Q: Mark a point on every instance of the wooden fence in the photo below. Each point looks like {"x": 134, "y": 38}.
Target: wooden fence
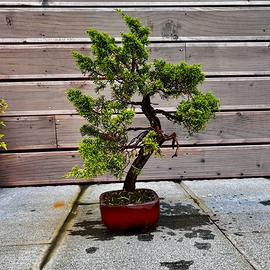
{"x": 230, "y": 38}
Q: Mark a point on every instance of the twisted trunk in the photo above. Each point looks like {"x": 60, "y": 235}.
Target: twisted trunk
{"x": 141, "y": 159}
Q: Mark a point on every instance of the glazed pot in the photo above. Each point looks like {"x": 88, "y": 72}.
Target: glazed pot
{"x": 130, "y": 216}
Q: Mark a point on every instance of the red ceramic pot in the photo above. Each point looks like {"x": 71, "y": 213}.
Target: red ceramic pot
{"x": 131, "y": 216}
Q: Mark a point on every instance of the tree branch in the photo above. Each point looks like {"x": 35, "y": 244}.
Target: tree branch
{"x": 135, "y": 103}
{"x": 138, "y": 139}
{"x": 150, "y": 113}
{"x": 175, "y": 142}
{"x": 139, "y": 128}
{"x": 169, "y": 115}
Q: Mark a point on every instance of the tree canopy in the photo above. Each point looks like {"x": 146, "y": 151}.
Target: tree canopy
{"x": 125, "y": 69}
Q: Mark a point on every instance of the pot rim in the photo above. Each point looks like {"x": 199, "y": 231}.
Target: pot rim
{"x": 102, "y": 201}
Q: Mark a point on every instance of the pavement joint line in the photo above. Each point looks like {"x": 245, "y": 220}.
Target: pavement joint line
{"x": 212, "y": 218}
{"x": 196, "y": 199}
{"x": 59, "y": 236}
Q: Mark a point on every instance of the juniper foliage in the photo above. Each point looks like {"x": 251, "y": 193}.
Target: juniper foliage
{"x": 3, "y": 106}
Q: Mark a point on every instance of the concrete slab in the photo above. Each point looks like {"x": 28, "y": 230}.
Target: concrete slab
{"x": 255, "y": 246}
{"x": 234, "y": 195}
{"x": 235, "y": 205}
{"x": 164, "y": 189}
{"x": 176, "y": 207}
{"x": 238, "y": 206}
{"x": 244, "y": 223}
{"x": 242, "y": 211}
{"x": 231, "y": 188}
{"x": 183, "y": 239}
{"x": 21, "y": 257}
{"x": 33, "y": 215}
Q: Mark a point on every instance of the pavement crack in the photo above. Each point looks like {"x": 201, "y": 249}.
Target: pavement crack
{"x": 52, "y": 249}
{"x": 212, "y": 217}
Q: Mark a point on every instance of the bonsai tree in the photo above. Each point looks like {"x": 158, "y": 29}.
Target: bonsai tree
{"x": 3, "y": 106}
{"x": 106, "y": 146}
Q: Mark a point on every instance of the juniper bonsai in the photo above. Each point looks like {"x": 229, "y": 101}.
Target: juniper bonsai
{"x": 127, "y": 71}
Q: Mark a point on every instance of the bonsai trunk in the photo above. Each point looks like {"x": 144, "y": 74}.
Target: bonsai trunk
{"x": 136, "y": 167}
{"x": 141, "y": 159}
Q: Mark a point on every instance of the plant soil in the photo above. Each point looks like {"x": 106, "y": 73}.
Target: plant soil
{"x": 116, "y": 198}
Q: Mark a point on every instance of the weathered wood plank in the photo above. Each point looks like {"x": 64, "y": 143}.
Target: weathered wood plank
{"x": 230, "y": 58}
{"x": 168, "y": 22}
{"x": 38, "y": 61}
{"x": 55, "y": 60}
{"x": 227, "y": 128}
{"x": 201, "y": 162}
{"x": 240, "y": 93}
{"x": 33, "y": 98}
{"x": 35, "y": 132}
{"x": 132, "y": 3}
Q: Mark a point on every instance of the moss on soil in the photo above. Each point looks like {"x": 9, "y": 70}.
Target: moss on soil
{"x": 124, "y": 197}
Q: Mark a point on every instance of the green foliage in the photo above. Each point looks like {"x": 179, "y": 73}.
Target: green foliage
{"x": 195, "y": 113}
{"x": 173, "y": 80}
{"x": 100, "y": 156}
{"x": 3, "y": 106}
{"x": 109, "y": 116}
{"x": 150, "y": 143}
{"x": 126, "y": 70}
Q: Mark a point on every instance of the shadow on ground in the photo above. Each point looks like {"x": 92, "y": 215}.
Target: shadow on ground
{"x": 174, "y": 218}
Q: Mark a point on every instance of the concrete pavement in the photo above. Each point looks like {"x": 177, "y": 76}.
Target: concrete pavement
{"x": 204, "y": 225}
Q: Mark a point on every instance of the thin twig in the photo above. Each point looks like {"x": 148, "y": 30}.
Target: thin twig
{"x": 135, "y": 103}
{"x": 138, "y": 139}
{"x": 139, "y": 128}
